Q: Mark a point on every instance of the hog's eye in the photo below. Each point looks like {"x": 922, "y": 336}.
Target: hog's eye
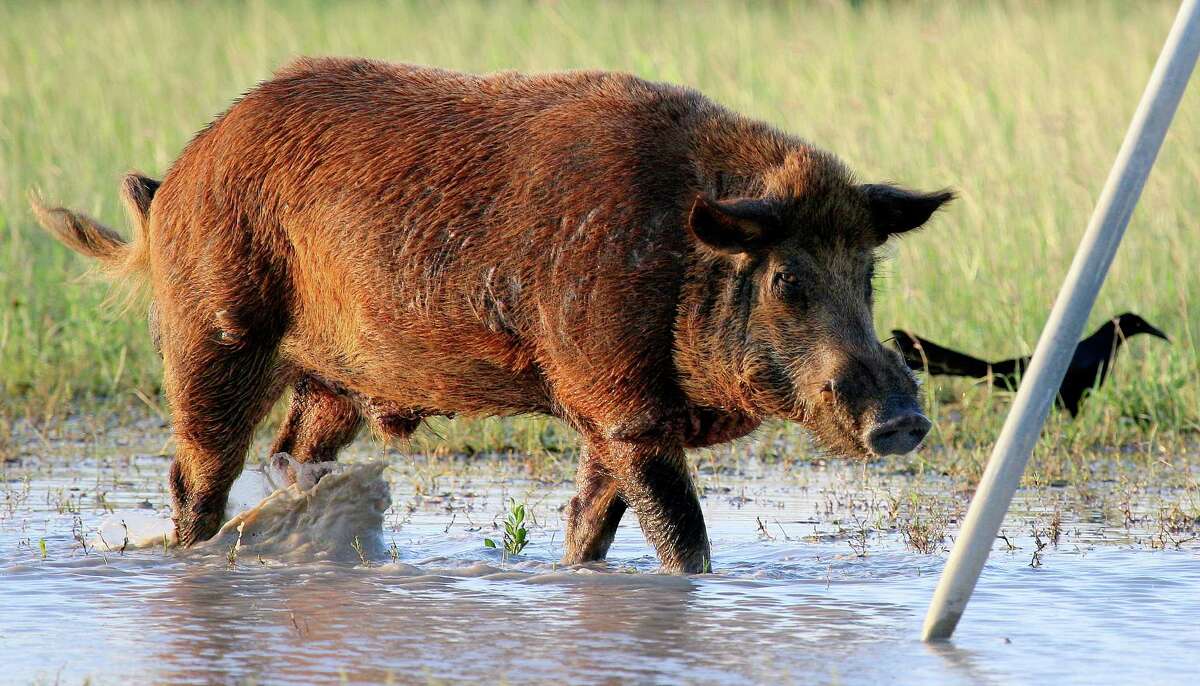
{"x": 787, "y": 286}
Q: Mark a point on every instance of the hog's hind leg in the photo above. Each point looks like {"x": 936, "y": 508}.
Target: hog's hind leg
{"x": 219, "y": 392}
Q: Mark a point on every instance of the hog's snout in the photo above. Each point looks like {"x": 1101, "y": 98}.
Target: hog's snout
{"x": 900, "y": 428}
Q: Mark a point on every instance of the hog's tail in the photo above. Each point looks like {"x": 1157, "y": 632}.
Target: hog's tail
{"x": 119, "y": 259}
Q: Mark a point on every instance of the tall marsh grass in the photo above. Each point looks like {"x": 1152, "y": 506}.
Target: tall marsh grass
{"x": 1019, "y": 106}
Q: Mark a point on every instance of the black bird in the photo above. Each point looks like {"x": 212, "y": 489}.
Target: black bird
{"x": 1089, "y": 366}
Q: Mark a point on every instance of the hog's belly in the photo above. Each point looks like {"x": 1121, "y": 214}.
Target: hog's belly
{"x": 435, "y": 374}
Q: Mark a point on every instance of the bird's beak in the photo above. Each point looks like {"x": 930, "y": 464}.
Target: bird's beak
{"x": 1156, "y": 333}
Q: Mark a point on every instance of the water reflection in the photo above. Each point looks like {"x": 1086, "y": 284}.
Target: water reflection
{"x": 962, "y": 662}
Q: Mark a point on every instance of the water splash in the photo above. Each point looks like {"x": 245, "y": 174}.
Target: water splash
{"x": 339, "y": 517}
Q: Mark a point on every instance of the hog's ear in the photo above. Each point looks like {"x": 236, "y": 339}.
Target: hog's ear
{"x": 895, "y": 210}
{"x": 735, "y": 226}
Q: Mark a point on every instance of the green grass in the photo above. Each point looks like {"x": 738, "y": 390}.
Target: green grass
{"x": 1021, "y": 107}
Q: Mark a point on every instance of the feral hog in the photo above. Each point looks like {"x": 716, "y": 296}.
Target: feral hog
{"x": 396, "y": 242}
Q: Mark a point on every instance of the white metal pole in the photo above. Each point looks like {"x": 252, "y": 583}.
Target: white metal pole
{"x": 1057, "y": 343}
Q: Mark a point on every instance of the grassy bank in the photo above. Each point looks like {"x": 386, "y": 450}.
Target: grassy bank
{"x": 1021, "y": 107}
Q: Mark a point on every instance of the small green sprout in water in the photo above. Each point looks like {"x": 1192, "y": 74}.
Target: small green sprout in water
{"x": 515, "y": 533}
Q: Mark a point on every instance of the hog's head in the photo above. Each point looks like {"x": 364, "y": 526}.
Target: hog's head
{"x": 776, "y": 317}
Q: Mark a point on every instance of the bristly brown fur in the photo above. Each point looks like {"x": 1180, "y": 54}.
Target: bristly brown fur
{"x": 400, "y": 242}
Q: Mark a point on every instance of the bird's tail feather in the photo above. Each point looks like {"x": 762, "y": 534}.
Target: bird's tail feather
{"x": 923, "y": 355}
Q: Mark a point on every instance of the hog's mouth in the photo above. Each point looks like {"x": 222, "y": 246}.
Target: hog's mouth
{"x": 888, "y": 421}
{"x": 895, "y": 426}
{"x": 835, "y": 431}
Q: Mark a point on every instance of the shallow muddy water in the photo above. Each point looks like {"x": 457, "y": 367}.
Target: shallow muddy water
{"x": 820, "y": 577}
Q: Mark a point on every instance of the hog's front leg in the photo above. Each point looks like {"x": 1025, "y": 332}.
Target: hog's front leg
{"x": 595, "y": 511}
{"x": 653, "y": 479}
